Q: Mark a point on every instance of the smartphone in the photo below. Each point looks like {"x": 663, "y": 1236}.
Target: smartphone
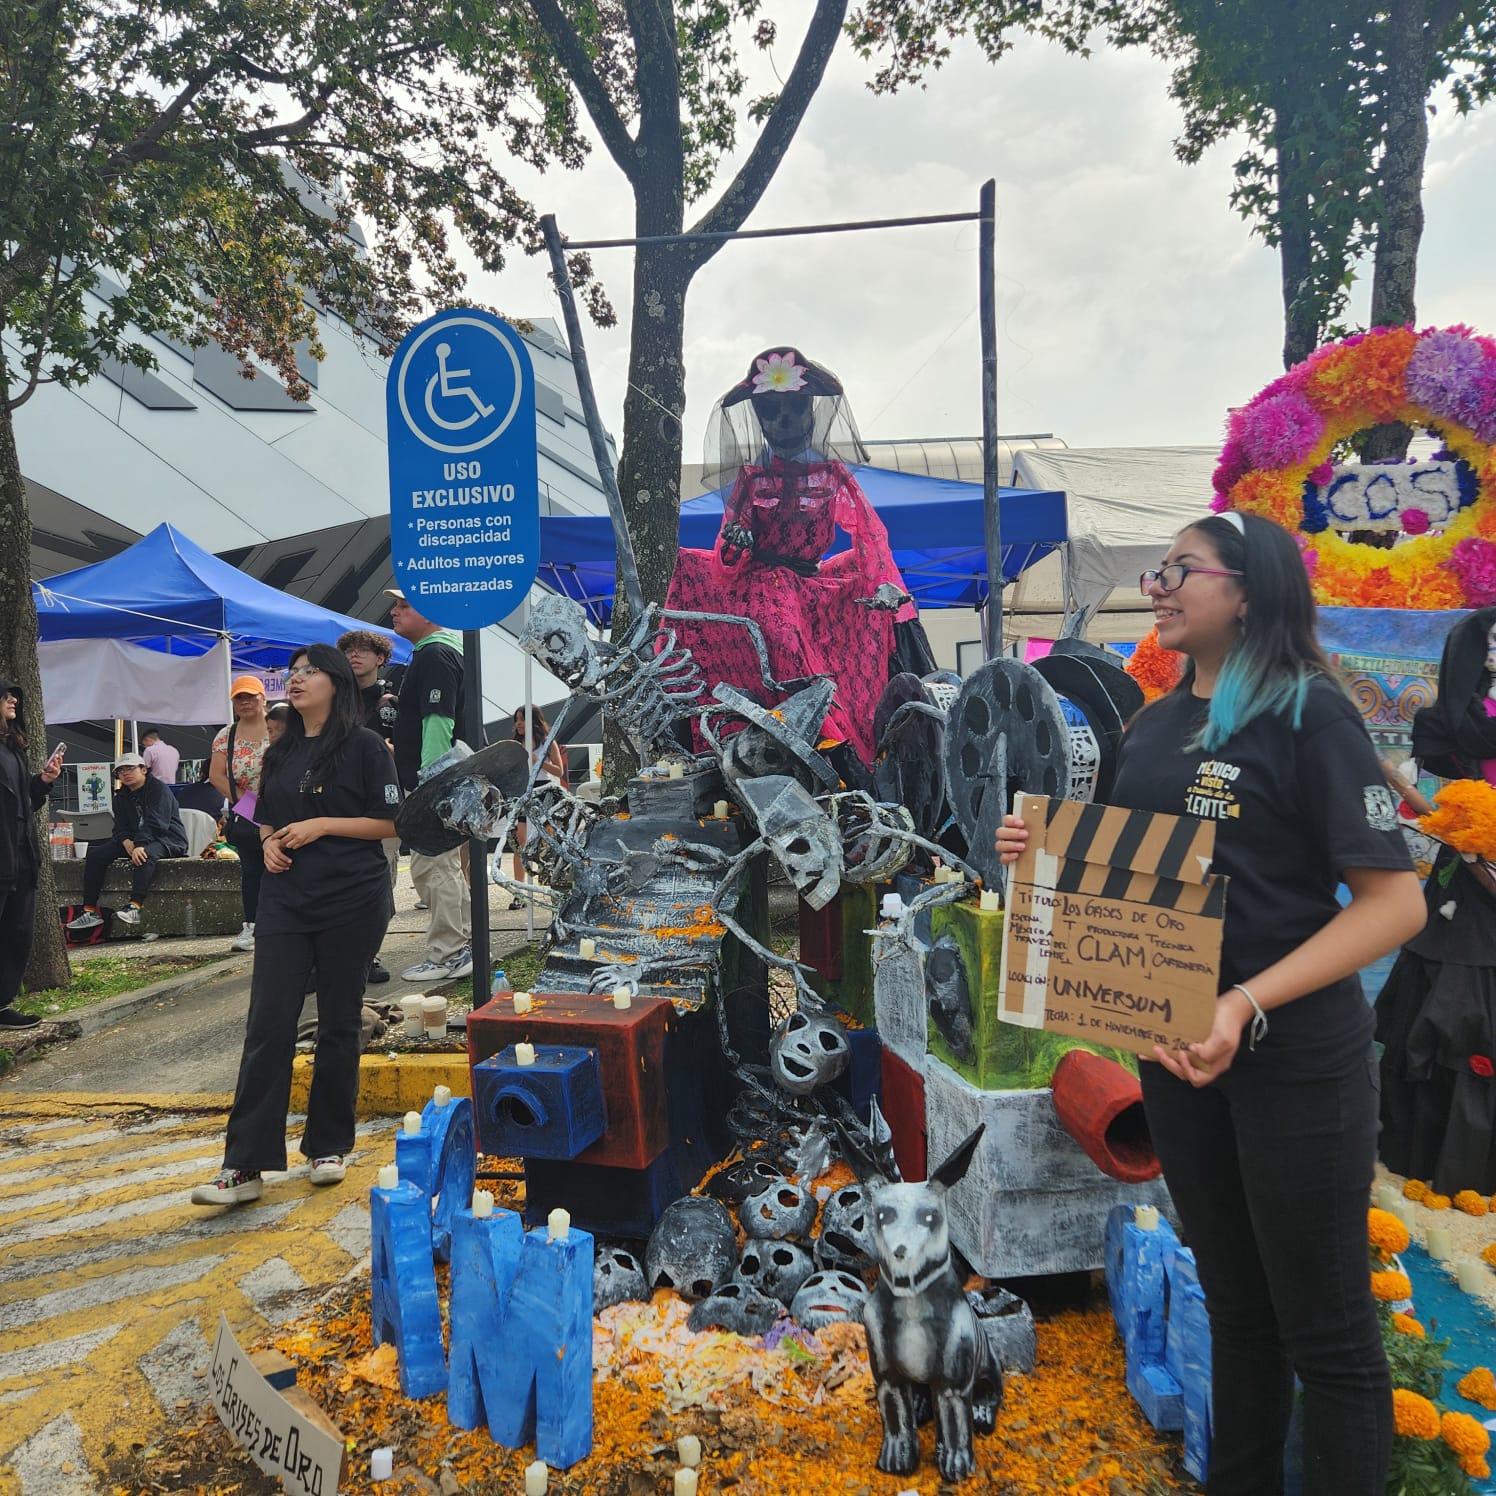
{"x": 57, "y": 753}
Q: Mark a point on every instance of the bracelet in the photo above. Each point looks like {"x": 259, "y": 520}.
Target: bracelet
{"x": 1258, "y": 1028}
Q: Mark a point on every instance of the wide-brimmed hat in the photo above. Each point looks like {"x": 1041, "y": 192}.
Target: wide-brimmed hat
{"x": 500, "y": 772}
{"x": 783, "y": 371}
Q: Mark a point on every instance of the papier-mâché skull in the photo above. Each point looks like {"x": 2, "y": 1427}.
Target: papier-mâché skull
{"x": 808, "y": 1050}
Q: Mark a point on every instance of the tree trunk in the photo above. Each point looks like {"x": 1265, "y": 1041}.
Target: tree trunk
{"x": 47, "y": 965}
{"x": 1301, "y": 328}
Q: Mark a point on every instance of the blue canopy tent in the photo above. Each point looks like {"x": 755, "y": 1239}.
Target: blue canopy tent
{"x": 934, "y": 529}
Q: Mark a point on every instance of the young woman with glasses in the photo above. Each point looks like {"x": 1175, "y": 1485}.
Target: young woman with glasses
{"x": 328, "y": 794}
{"x": 1267, "y": 1127}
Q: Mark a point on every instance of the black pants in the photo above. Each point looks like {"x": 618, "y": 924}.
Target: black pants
{"x": 17, "y": 925}
{"x": 1271, "y": 1179}
{"x": 96, "y": 867}
{"x": 244, "y": 837}
{"x": 262, "y": 1094}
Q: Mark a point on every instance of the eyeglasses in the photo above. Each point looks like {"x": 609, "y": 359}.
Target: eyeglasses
{"x": 299, "y": 672}
{"x": 1170, "y": 578}
{"x": 363, "y": 649}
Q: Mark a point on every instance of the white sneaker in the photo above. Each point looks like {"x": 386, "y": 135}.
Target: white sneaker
{"x": 228, "y": 1187}
{"x": 329, "y": 1170}
{"x": 461, "y": 965}
{"x": 245, "y": 939}
{"x": 426, "y": 971}
{"x": 129, "y": 915}
{"x": 88, "y": 920}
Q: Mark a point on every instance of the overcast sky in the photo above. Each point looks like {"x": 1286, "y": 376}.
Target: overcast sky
{"x": 1133, "y": 305}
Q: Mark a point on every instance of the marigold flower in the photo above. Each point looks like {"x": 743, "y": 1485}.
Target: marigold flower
{"x": 1464, "y": 1435}
{"x": 1471, "y": 1203}
{"x": 1488, "y": 1254}
{"x": 1414, "y": 1189}
{"x": 1413, "y": 1416}
{"x": 1478, "y": 1386}
{"x": 1386, "y": 1233}
{"x": 1476, "y": 1468}
{"x": 1436, "y": 1202}
{"x": 1405, "y": 1324}
{"x": 1154, "y": 668}
{"x": 1391, "y": 1287}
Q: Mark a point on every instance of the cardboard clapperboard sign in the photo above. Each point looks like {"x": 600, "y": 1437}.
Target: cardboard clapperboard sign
{"x": 1113, "y": 925}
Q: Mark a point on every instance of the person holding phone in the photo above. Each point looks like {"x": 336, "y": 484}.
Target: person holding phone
{"x": 234, "y": 771}
{"x": 22, "y": 794}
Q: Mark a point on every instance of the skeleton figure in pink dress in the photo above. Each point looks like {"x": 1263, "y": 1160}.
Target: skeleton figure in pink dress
{"x": 785, "y": 439}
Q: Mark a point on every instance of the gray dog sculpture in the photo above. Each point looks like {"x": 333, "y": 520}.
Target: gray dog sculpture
{"x": 923, "y": 1337}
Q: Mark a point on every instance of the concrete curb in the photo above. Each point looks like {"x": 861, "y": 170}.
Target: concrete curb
{"x": 391, "y": 1085}
{"x": 95, "y": 1016}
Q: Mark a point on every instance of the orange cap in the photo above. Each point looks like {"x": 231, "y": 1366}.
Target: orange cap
{"x": 247, "y": 685}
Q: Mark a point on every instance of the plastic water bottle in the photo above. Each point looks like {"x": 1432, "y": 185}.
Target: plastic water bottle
{"x": 500, "y": 982}
{"x": 189, "y": 919}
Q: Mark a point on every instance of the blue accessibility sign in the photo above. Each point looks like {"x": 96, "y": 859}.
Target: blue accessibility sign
{"x": 464, "y": 479}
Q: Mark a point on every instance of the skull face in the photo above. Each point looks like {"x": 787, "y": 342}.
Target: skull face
{"x": 738, "y": 1307}
{"x": 846, "y": 1238}
{"x": 802, "y": 837}
{"x": 775, "y": 1268}
{"x": 616, "y": 1277}
{"x": 788, "y": 421}
{"x": 692, "y": 1249}
{"x": 778, "y": 1210}
{"x": 808, "y": 1050}
{"x": 556, "y": 636}
{"x": 746, "y": 1177}
{"x": 829, "y": 1298}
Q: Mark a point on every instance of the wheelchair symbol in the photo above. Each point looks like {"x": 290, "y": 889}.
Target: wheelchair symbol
{"x": 448, "y": 413}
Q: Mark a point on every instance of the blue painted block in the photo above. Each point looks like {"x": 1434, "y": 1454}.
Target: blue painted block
{"x": 862, "y": 1080}
{"x": 544, "y": 1386}
{"x": 1187, "y": 1358}
{"x": 1142, "y": 1322}
{"x": 485, "y": 1258}
{"x": 551, "y": 1109}
{"x": 442, "y": 1161}
{"x": 413, "y": 1158}
{"x": 1158, "y": 1396}
{"x": 404, "y": 1307}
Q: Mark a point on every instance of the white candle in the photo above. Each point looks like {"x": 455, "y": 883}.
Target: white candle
{"x": 719, "y": 810}
{"x": 537, "y": 1477}
{"x": 1145, "y": 1217}
{"x": 677, "y": 771}
{"x": 892, "y": 906}
{"x": 1403, "y": 1210}
{"x": 442, "y": 1096}
{"x": 622, "y": 998}
{"x": 523, "y": 1002}
{"x": 685, "y": 1483}
{"x": 989, "y": 900}
{"x": 412, "y": 1124}
{"x": 1472, "y": 1276}
{"x": 1387, "y": 1197}
{"x": 1438, "y": 1243}
{"x": 381, "y": 1464}
{"x": 410, "y": 1010}
{"x": 389, "y": 1176}
{"x": 688, "y": 1447}
{"x": 524, "y": 1054}
{"x": 558, "y": 1224}
{"x": 482, "y": 1204}
{"x": 587, "y": 948}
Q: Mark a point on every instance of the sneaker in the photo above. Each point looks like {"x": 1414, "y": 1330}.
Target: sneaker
{"x": 90, "y": 919}
{"x": 329, "y": 1170}
{"x": 461, "y": 965}
{"x": 245, "y": 939}
{"x": 14, "y": 1018}
{"x": 378, "y": 971}
{"x": 129, "y": 915}
{"x": 426, "y": 971}
{"x": 228, "y": 1187}
{"x": 421, "y": 905}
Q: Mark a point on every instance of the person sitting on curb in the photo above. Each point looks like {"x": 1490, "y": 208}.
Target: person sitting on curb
{"x": 147, "y": 827}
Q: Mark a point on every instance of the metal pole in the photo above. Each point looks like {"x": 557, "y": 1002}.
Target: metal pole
{"x": 794, "y": 232}
{"x": 530, "y": 756}
{"x": 472, "y": 730}
{"x": 993, "y": 527}
{"x": 628, "y": 572}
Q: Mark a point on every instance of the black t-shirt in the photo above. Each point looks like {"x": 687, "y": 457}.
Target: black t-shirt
{"x": 336, "y": 878}
{"x": 432, "y": 688}
{"x": 1292, "y": 809}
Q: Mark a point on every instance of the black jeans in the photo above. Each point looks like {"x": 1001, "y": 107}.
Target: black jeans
{"x": 262, "y": 1094}
{"x": 17, "y": 925}
{"x": 96, "y": 868}
{"x": 244, "y": 837}
{"x": 1271, "y": 1179}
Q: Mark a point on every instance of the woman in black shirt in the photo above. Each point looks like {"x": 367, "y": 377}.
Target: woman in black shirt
{"x": 1267, "y": 1127}
{"x": 328, "y": 794}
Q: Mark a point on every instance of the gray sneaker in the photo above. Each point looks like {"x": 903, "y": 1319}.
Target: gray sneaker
{"x": 129, "y": 915}
{"x": 461, "y": 965}
{"x": 88, "y": 920}
{"x": 228, "y": 1187}
{"x": 329, "y": 1170}
{"x": 425, "y": 971}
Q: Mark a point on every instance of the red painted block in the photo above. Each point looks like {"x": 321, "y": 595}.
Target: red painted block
{"x": 821, "y": 938}
{"x": 903, "y": 1105}
{"x": 630, "y": 1045}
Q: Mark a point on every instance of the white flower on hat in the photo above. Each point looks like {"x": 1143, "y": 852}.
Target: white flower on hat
{"x": 778, "y": 374}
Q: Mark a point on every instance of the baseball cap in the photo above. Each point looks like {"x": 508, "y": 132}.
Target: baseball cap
{"x": 395, "y": 592}
{"x": 247, "y": 685}
{"x": 129, "y": 761}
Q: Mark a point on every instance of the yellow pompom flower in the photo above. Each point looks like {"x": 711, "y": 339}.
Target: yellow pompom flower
{"x": 1414, "y": 1189}
{"x": 1386, "y": 1233}
{"x": 1390, "y": 1287}
{"x": 1414, "y": 1417}
{"x": 1405, "y": 1324}
{"x": 1436, "y": 1202}
{"x": 1471, "y": 1203}
{"x": 1464, "y": 1435}
{"x": 1478, "y": 1386}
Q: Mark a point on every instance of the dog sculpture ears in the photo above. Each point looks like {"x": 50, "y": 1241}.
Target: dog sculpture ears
{"x": 953, "y": 1170}
{"x": 872, "y": 1161}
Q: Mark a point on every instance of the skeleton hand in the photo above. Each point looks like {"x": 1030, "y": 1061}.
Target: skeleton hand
{"x": 886, "y": 598}
{"x": 736, "y": 539}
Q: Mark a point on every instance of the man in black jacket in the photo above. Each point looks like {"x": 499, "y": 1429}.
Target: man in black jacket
{"x": 147, "y": 827}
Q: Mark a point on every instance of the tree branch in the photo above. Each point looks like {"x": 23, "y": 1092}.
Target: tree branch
{"x": 572, "y": 56}
{"x": 742, "y": 194}
{"x": 143, "y": 146}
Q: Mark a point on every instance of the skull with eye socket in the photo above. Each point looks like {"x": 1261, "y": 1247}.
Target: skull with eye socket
{"x": 808, "y": 1050}
{"x": 846, "y": 1238}
{"x": 692, "y": 1249}
{"x": 775, "y": 1268}
{"x": 787, "y": 419}
{"x": 778, "y": 1210}
{"x": 746, "y": 1177}
{"x": 556, "y": 636}
{"x": 829, "y": 1298}
{"x": 616, "y": 1277}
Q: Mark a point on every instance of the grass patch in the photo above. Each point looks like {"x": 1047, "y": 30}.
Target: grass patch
{"x": 108, "y": 976}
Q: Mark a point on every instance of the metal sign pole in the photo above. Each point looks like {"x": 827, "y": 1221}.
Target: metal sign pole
{"x": 472, "y": 731}
{"x": 987, "y": 312}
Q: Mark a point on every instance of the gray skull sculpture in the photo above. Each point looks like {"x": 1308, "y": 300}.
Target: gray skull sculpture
{"x": 808, "y": 1050}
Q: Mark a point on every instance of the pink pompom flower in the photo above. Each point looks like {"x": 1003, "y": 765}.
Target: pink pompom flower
{"x": 1414, "y": 522}
{"x": 1280, "y": 430}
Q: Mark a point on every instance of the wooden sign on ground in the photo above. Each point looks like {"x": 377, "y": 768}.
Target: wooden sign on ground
{"x": 1113, "y": 926}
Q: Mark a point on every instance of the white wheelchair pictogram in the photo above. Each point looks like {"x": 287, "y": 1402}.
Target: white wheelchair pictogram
{"x": 451, "y": 391}
{"x": 446, "y": 410}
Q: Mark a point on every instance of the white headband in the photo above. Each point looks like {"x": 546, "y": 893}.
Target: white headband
{"x": 1233, "y": 518}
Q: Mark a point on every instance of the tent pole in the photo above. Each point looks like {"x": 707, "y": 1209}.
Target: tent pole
{"x": 987, "y": 314}
{"x": 530, "y": 760}
{"x": 472, "y": 729}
